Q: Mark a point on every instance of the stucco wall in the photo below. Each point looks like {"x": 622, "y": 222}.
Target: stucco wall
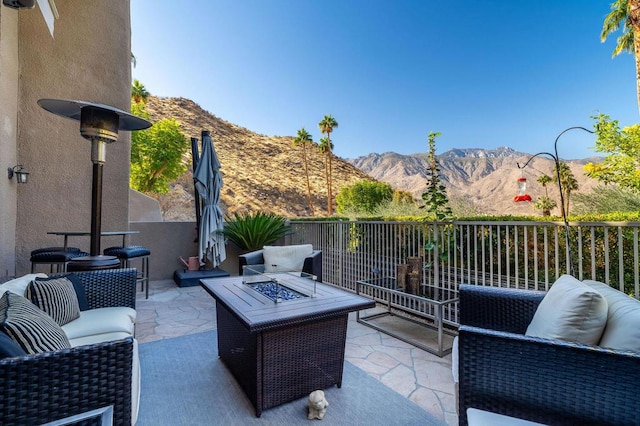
{"x": 169, "y": 240}
{"x": 89, "y": 59}
{"x": 8, "y": 131}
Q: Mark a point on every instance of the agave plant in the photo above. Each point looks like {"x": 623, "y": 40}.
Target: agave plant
{"x": 252, "y": 231}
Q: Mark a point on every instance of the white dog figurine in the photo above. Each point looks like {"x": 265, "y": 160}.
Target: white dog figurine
{"x": 317, "y": 405}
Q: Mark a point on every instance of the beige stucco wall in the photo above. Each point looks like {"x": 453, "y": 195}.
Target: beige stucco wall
{"x": 8, "y": 131}
{"x": 88, "y": 59}
{"x": 167, "y": 241}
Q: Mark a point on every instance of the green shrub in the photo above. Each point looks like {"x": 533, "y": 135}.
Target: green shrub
{"x": 252, "y": 231}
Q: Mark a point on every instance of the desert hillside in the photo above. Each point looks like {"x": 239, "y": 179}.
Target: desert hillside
{"x": 267, "y": 172}
{"x": 260, "y": 172}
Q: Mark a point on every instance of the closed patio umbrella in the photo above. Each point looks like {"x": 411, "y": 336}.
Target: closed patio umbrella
{"x": 208, "y": 182}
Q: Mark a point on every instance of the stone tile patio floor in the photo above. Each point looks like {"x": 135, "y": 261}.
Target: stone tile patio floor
{"x": 425, "y": 379}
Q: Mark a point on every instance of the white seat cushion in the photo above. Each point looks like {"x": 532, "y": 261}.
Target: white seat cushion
{"x": 622, "y": 331}
{"x": 19, "y": 285}
{"x": 101, "y": 321}
{"x": 570, "y": 311}
{"x": 477, "y": 417}
{"x": 285, "y": 258}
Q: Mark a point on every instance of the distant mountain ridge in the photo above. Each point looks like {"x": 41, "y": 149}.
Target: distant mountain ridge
{"x": 487, "y": 178}
{"x": 267, "y": 172}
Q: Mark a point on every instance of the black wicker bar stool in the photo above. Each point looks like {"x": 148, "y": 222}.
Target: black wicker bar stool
{"x": 126, "y": 255}
{"x": 55, "y": 256}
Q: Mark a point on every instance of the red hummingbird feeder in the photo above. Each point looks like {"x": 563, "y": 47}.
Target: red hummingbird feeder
{"x": 522, "y": 190}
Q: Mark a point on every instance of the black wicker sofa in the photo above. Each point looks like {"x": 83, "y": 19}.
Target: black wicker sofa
{"x": 49, "y": 386}
{"x": 502, "y": 370}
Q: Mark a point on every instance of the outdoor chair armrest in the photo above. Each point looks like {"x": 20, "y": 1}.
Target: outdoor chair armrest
{"x": 313, "y": 264}
{"x": 499, "y": 309}
{"x": 49, "y": 386}
{"x": 546, "y": 381}
{"x": 251, "y": 258}
{"x": 110, "y": 287}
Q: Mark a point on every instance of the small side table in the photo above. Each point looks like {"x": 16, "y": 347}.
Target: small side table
{"x": 424, "y": 311}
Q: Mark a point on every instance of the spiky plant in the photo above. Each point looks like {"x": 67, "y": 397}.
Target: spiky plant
{"x": 252, "y": 231}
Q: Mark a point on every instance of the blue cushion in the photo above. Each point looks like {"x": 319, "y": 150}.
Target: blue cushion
{"x": 83, "y": 301}
{"x": 9, "y": 348}
{"x": 127, "y": 252}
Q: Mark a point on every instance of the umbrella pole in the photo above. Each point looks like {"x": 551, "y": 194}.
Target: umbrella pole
{"x": 195, "y": 156}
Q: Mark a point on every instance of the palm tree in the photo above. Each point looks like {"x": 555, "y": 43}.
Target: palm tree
{"x": 625, "y": 14}
{"x": 324, "y": 147}
{"x": 303, "y": 138}
{"x": 545, "y": 203}
{"x": 139, "y": 92}
{"x": 569, "y": 184}
{"x": 327, "y": 124}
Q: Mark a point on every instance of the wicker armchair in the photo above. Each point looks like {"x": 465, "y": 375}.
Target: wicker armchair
{"x": 547, "y": 381}
{"x": 312, "y": 264}
{"x": 50, "y": 386}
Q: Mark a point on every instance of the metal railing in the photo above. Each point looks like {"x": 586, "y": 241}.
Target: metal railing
{"x": 529, "y": 255}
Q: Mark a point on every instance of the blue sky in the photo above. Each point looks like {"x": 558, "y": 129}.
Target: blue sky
{"x": 484, "y": 73}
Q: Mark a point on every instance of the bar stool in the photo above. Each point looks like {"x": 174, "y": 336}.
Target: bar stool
{"x": 126, "y": 255}
{"x": 57, "y": 256}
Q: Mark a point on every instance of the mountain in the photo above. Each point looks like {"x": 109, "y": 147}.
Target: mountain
{"x": 267, "y": 172}
{"x": 484, "y": 178}
{"x": 259, "y": 172}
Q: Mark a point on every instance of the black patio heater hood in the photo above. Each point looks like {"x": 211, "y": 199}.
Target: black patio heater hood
{"x": 100, "y": 124}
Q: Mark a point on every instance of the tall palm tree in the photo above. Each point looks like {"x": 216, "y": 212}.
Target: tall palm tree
{"x": 327, "y": 124}
{"x": 625, "y": 14}
{"x": 324, "y": 147}
{"x": 569, "y": 184}
{"x": 545, "y": 203}
{"x": 304, "y": 138}
{"x": 139, "y": 92}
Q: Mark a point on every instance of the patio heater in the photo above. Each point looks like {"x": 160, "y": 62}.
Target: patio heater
{"x": 556, "y": 160}
{"x": 100, "y": 124}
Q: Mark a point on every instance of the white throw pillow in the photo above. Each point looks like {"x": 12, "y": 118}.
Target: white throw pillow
{"x": 622, "y": 331}
{"x": 285, "y": 258}
{"x": 19, "y": 285}
{"x": 570, "y": 311}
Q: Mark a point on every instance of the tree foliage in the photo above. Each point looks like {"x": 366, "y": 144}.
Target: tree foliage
{"x": 435, "y": 197}
{"x": 363, "y": 196}
{"x": 156, "y": 154}
{"x": 625, "y": 15}
{"x": 303, "y": 138}
{"x": 139, "y": 93}
{"x": 326, "y": 125}
{"x": 607, "y": 199}
{"x": 622, "y": 165}
{"x": 568, "y": 182}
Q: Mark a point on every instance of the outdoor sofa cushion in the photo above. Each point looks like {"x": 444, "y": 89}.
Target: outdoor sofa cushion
{"x": 622, "y": 331}
{"x": 101, "y": 325}
{"x": 19, "y": 285}
{"x": 56, "y": 297}
{"x": 81, "y": 294}
{"x": 9, "y": 348}
{"x": 285, "y": 258}
{"x": 570, "y": 311}
{"x": 30, "y": 327}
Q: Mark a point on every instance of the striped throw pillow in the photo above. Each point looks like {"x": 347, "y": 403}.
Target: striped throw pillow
{"x": 28, "y": 326}
{"x": 56, "y": 297}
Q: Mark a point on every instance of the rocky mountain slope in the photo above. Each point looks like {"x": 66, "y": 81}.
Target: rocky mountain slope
{"x": 267, "y": 172}
{"x": 260, "y": 172}
{"x": 485, "y": 178}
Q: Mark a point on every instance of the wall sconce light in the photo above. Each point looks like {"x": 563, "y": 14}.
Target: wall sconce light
{"x": 22, "y": 175}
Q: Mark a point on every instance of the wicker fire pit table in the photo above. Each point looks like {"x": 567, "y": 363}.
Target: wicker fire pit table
{"x": 282, "y": 350}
